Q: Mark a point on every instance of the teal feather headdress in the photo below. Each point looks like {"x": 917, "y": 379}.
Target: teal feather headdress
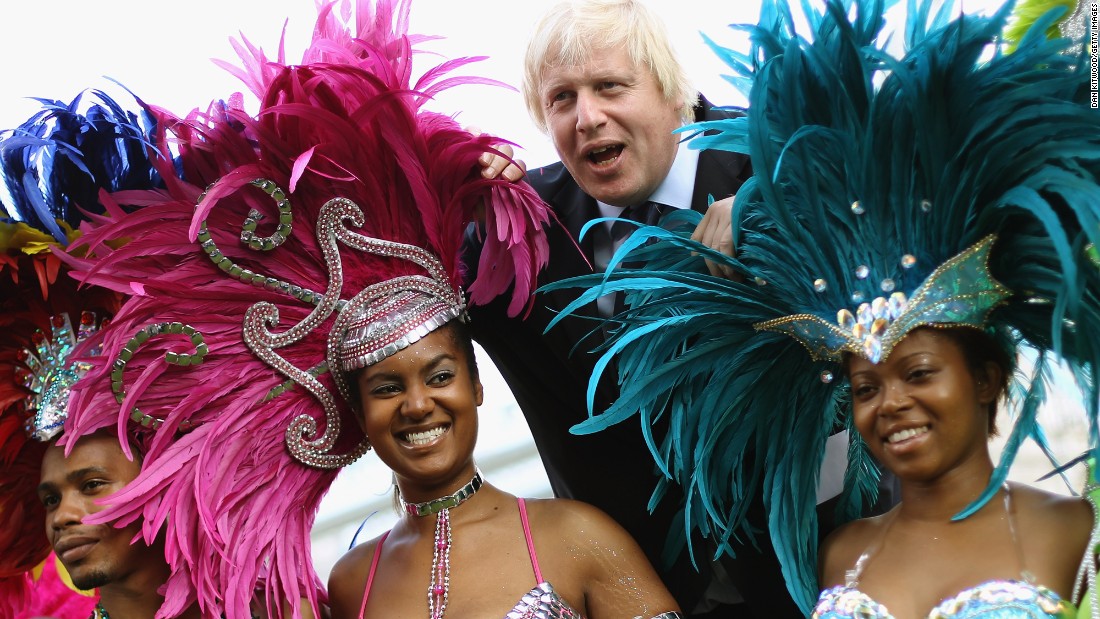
{"x": 959, "y": 175}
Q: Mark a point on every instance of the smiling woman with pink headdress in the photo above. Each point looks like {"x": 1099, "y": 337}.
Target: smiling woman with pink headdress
{"x": 287, "y": 294}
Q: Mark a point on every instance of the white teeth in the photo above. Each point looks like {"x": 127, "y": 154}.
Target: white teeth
{"x": 906, "y": 434}
{"x": 422, "y": 438}
{"x": 600, "y": 150}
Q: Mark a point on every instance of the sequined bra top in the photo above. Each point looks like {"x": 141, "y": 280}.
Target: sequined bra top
{"x": 995, "y": 599}
{"x": 541, "y": 602}
{"x": 990, "y": 600}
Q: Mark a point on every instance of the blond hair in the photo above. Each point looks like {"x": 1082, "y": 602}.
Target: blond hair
{"x": 571, "y": 31}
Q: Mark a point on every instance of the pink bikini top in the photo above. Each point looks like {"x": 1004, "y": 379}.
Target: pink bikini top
{"x": 541, "y": 602}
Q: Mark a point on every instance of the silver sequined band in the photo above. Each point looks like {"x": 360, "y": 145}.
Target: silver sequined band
{"x": 448, "y": 502}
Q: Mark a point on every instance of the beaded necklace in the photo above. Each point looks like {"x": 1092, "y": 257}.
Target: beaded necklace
{"x": 440, "y": 585}
{"x": 99, "y": 612}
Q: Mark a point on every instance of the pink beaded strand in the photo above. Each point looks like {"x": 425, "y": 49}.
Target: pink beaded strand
{"x": 440, "y": 584}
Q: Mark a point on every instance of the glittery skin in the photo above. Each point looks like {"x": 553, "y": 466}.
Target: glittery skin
{"x": 991, "y": 600}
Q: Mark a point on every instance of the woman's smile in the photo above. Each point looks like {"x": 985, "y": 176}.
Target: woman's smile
{"x": 424, "y": 437}
{"x": 904, "y": 441}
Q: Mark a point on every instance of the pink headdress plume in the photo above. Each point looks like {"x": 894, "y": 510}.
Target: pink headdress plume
{"x": 340, "y": 183}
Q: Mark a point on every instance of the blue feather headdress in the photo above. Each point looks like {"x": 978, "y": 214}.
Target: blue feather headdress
{"x": 962, "y": 177}
{"x": 58, "y": 160}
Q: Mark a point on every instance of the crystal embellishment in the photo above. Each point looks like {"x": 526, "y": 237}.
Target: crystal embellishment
{"x": 961, "y": 291}
{"x": 48, "y": 375}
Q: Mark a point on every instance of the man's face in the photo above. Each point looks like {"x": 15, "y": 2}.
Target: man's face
{"x": 611, "y": 125}
{"x": 94, "y": 555}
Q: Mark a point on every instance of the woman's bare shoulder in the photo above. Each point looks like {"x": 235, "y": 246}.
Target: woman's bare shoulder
{"x": 1052, "y": 505}
{"x": 349, "y": 575}
{"x": 592, "y": 555}
{"x": 1066, "y": 517}
{"x": 566, "y": 517}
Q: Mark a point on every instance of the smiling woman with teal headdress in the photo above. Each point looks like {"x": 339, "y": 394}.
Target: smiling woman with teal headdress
{"x": 914, "y": 224}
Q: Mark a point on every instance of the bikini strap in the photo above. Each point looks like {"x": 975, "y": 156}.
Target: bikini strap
{"x": 370, "y": 576}
{"x": 1085, "y": 591}
{"x": 852, "y": 576}
{"x": 1010, "y": 515}
{"x": 530, "y": 542}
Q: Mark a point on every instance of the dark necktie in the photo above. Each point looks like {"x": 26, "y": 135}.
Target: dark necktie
{"x": 646, "y": 213}
{"x": 606, "y": 242}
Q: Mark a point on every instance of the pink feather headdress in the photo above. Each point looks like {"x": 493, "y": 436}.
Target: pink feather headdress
{"x": 239, "y": 273}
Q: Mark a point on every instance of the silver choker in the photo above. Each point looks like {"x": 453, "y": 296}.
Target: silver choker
{"x": 450, "y": 501}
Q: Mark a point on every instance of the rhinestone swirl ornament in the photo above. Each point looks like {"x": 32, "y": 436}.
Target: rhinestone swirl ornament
{"x": 118, "y": 368}
{"x": 335, "y": 225}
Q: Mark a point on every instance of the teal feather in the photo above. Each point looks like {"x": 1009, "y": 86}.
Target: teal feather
{"x": 862, "y": 474}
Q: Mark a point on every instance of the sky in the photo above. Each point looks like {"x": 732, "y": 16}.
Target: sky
{"x": 162, "y": 51}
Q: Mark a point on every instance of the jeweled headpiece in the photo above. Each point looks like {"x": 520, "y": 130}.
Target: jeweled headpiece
{"x": 952, "y": 184}
{"x": 265, "y": 275}
{"x": 48, "y": 374}
{"x": 392, "y": 315}
{"x": 960, "y": 292}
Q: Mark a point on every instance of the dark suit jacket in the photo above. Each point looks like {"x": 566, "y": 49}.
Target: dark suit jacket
{"x": 549, "y": 373}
